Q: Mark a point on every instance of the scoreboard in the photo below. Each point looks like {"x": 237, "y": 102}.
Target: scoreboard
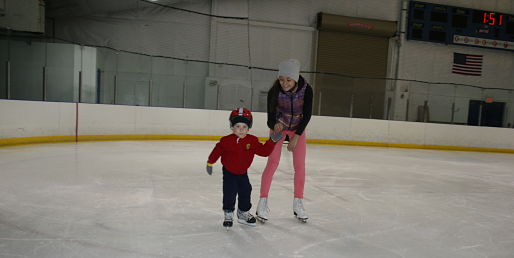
{"x": 458, "y": 25}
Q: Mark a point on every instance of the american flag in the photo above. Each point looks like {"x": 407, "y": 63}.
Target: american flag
{"x": 467, "y": 64}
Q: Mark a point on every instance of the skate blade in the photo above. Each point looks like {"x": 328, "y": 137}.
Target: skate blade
{"x": 262, "y": 220}
{"x": 304, "y": 220}
{"x": 246, "y": 223}
{"x": 227, "y": 225}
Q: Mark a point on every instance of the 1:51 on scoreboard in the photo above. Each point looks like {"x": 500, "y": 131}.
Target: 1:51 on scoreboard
{"x": 489, "y": 18}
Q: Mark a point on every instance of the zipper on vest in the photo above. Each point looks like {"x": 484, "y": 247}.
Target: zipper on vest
{"x": 292, "y": 113}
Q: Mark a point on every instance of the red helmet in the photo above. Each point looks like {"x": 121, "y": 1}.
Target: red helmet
{"x": 241, "y": 115}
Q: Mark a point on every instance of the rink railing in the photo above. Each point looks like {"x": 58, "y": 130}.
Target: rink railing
{"x": 28, "y": 122}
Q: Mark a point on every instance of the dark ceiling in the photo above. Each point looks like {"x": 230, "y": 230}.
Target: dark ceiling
{"x": 71, "y": 8}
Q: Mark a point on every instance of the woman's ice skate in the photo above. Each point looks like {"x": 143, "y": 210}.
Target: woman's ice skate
{"x": 262, "y": 210}
{"x": 298, "y": 210}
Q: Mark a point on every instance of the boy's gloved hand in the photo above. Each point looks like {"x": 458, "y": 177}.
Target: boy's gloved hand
{"x": 209, "y": 169}
{"x": 276, "y": 136}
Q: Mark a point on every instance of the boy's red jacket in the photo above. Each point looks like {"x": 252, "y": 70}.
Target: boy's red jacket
{"x": 237, "y": 154}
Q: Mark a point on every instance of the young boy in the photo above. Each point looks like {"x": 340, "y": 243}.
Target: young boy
{"x": 237, "y": 151}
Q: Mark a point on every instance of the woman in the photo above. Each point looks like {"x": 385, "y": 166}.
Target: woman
{"x": 289, "y": 112}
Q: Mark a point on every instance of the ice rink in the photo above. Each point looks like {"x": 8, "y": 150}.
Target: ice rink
{"x": 154, "y": 199}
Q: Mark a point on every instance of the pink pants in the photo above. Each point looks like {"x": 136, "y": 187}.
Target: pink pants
{"x": 298, "y": 164}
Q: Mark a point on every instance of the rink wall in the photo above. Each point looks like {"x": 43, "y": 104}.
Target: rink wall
{"x": 26, "y": 122}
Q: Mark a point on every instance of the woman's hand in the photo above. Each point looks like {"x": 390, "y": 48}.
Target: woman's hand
{"x": 278, "y": 128}
{"x": 293, "y": 142}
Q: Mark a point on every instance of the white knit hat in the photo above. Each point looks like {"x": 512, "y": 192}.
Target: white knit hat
{"x": 290, "y": 68}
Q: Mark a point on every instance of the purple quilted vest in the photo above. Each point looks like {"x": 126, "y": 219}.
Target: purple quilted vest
{"x": 290, "y": 107}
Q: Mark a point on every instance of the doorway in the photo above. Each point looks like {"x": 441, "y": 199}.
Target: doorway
{"x": 352, "y": 57}
{"x": 482, "y": 113}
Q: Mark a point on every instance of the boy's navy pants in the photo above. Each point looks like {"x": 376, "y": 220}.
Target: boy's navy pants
{"x": 236, "y": 185}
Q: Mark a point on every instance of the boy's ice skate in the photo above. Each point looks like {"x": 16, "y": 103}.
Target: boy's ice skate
{"x": 229, "y": 215}
{"x": 262, "y": 210}
{"x": 244, "y": 217}
{"x": 298, "y": 210}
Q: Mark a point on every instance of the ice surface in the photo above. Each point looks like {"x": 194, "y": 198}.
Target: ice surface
{"x": 154, "y": 199}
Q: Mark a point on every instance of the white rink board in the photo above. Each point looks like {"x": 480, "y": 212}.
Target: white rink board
{"x": 30, "y": 118}
{"x": 411, "y": 132}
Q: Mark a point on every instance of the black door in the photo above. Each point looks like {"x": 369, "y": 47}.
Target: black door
{"x": 492, "y": 114}
{"x": 486, "y": 114}
{"x": 475, "y": 106}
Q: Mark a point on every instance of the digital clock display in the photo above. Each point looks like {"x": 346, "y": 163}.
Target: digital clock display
{"x": 459, "y": 25}
{"x": 489, "y": 18}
